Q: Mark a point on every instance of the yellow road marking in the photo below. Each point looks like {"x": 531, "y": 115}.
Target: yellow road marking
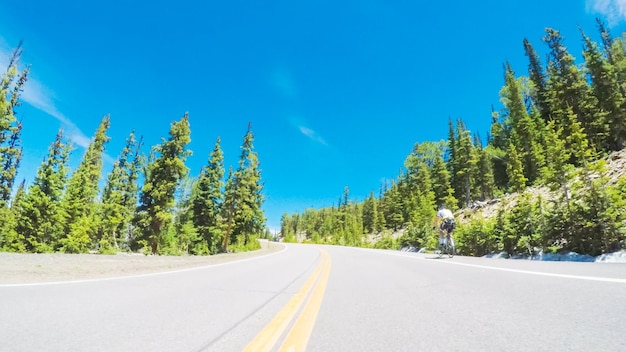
{"x": 298, "y": 337}
{"x": 267, "y": 338}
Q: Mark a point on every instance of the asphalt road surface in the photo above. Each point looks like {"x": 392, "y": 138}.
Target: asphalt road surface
{"x": 324, "y": 298}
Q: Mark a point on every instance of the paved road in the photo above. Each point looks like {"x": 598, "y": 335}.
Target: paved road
{"x": 324, "y": 298}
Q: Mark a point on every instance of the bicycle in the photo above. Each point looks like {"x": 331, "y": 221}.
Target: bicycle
{"x": 447, "y": 247}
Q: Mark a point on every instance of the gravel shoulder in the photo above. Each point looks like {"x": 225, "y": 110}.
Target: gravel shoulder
{"x": 21, "y": 268}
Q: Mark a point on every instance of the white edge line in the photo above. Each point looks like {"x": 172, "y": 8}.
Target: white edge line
{"x": 285, "y": 247}
{"x": 577, "y": 277}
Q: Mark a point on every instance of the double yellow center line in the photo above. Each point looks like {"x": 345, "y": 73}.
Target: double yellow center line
{"x": 298, "y": 337}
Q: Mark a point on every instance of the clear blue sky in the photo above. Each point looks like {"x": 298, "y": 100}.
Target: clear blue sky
{"x": 337, "y": 91}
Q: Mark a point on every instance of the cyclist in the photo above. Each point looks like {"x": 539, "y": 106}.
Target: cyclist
{"x": 445, "y": 221}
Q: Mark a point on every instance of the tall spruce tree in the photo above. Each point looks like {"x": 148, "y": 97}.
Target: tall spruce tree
{"x": 40, "y": 219}
{"x": 228, "y": 213}
{"x": 515, "y": 170}
{"x": 370, "y": 214}
{"x": 538, "y": 79}
{"x": 568, "y": 88}
{"x": 10, "y": 240}
{"x": 485, "y": 183}
{"x": 464, "y": 164}
{"x": 606, "y": 87}
{"x": 78, "y": 204}
{"x": 119, "y": 198}
{"x": 524, "y": 130}
{"x": 444, "y": 194}
{"x": 394, "y": 217}
{"x": 11, "y": 85}
{"x": 249, "y": 218}
{"x": 164, "y": 172}
{"x": 207, "y": 200}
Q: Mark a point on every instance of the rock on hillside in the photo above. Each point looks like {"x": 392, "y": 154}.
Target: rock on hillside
{"x": 616, "y": 168}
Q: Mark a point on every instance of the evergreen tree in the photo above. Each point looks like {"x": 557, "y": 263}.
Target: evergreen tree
{"x": 164, "y": 173}
{"x": 464, "y": 164}
{"x": 228, "y": 213}
{"x": 40, "y": 219}
{"x": 568, "y": 88}
{"x": 498, "y": 142}
{"x": 382, "y": 207}
{"x": 538, "y": 78}
{"x": 607, "y": 40}
{"x": 370, "y": 214}
{"x": 485, "y": 183}
{"x": 556, "y": 173}
{"x": 207, "y": 200}
{"x": 524, "y": 130}
{"x": 444, "y": 194}
{"x": 11, "y": 85}
{"x": 249, "y": 218}
{"x": 605, "y": 85}
{"x": 78, "y": 203}
{"x": 10, "y": 240}
{"x": 393, "y": 206}
{"x": 119, "y": 198}
{"x": 515, "y": 170}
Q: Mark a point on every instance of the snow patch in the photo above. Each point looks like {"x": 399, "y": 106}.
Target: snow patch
{"x": 617, "y": 257}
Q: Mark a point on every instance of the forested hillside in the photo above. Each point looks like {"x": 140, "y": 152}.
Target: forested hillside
{"x": 559, "y": 122}
{"x": 148, "y": 203}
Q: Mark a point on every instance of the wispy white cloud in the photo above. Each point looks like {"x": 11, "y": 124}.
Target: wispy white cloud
{"x": 312, "y": 135}
{"x": 40, "y": 97}
{"x": 613, "y": 10}
{"x": 283, "y": 82}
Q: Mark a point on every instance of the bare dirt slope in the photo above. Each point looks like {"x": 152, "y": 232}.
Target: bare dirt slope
{"x": 616, "y": 168}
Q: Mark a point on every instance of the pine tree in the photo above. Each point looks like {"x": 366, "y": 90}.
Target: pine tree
{"x": 382, "y": 207}
{"x": 556, "y": 173}
{"x": 249, "y": 218}
{"x": 484, "y": 172}
{"x": 370, "y": 215}
{"x": 607, "y": 40}
{"x": 10, "y": 240}
{"x": 498, "y": 141}
{"x": 538, "y": 78}
{"x": 119, "y": 198}
{"x": 207, "y": 200}
{"x": 465, "y": 163}
{"x": 605, "y": 85}
{"x": 228, "y": 213}
{"x": 568, "y": 88}
{"x": 515, "y": 170}
{"x": 393, "y": 206}
{"x": 164, "y": 173}
{"x": 78, "y": 203}
{"x": 40, "y": 219}
{"x": 10, "y": 127}
{"x": 524, "y": 130}
{"x": 444, "y": 194}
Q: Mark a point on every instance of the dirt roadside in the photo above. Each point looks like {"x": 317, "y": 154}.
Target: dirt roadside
{"x": 16, "y": 268}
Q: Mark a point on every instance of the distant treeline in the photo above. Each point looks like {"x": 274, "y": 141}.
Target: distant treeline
{"x": 557, "y": 125}
{"x": 149, "y": 203}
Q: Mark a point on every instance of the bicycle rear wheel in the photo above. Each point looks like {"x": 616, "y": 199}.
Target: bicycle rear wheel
{"x": 450, "y": 247}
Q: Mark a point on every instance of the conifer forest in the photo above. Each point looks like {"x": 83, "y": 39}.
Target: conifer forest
{"x": 542, "y": 168}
